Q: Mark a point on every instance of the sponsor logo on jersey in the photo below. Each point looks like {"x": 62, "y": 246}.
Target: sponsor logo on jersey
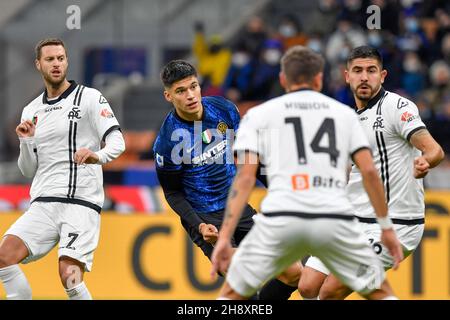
{"x": 402, "y": 104}
{"x": 102, "y": 100}
{"x": 300, "y": 182}
{"x": 363, "y": 118}
{"x": 74, "y": 113}
{"x": 222, "y": 127}
{"x": 50, "y": 109}
{"x": 210, "y": 155}
{"x": 378, "y": 124}
{"x": 159, "y": 160}
{"x": 408, "y": 117}
{"x": 106, "y": 113}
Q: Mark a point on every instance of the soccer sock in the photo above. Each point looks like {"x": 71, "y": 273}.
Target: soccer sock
{"x": 15, "y": 283}
{"x": 276, "y": 290}
{"x": 79, "y": 292}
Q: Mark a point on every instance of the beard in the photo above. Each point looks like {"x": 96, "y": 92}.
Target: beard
{"x": 365, "y": 96}
{"x": 55, "y": 83}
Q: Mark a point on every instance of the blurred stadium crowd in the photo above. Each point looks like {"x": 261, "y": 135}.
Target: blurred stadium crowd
{"x": 243, "y": 66}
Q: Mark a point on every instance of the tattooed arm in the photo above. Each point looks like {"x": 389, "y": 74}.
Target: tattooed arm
{"x": 432, "y": 153}
{"x": 237, "y": 199}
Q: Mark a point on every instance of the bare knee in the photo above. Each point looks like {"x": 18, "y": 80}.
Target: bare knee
{"x": 71, "y": 272}
{"x": 291, "y": 275}
{"x": 333, "y": 289}
{"x": 228, "y": 293}
{"x": 310, "y": 283}
{"x": 12, "y": 251}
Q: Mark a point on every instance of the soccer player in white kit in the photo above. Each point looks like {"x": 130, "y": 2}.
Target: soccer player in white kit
{"x": 305, "y": 139}
{"x": 61, "y": 135}
{"x": 403, "y": 152}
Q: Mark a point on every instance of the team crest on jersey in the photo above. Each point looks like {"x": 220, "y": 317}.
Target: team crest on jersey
{"x": 74, "y": 113}
{"x": 222, "y": 127}
{"x": 35, "y": 120}
{"x": 107, "y": 114}
{"x": 408, "y": 117}
{"x": 378, "y": 124}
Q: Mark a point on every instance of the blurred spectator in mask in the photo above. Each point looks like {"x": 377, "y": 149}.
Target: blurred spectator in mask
{"x": 213, "y": 60}
{"x": 289, "y": 32}
{"x": 412, "y": 37}
{"x": 237, "y": 82}
{"x": 413, "y": 78}
{"x": 445, "y": 48}
{"x": 253, "y": 36}
{"x": 315, "y": 43}
{"x": 344, "y": 39}
{"x": 264, "y": 83}
{"x": 355, "y": 12}
{"x": 323, "y": 19}
{"x": 439, "y": 92}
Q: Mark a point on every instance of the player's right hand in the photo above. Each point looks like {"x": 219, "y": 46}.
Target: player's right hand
{"x": 25, "y": 129}
{"x": 389, "y": 239}
{"x": 209, "y": 233}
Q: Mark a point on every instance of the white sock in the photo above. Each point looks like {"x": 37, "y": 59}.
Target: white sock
{"x": 15, "y": 283}
{"x": 79, "y": 292}
{"x": 390, "y": 298}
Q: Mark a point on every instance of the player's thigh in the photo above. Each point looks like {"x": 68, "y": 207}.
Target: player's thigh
{"x": 351, "y": 259}
{"x": 272, "y": 245}
{"x": 79, "y": 233}
{"x": 311, "y": 280}
{"x": 37, "y": 229}
{"x": 408, "y": 235}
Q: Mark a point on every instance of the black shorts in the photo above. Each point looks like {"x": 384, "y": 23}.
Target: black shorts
{"x": 216, "y": 218}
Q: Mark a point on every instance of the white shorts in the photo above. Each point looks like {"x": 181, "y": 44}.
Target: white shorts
{"x": 408, "y": 235}
{"x": 75, "y": 227}
{"x": 274, "y": 243}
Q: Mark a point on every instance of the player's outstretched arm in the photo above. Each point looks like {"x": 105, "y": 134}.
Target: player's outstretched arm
{"x": 374, "y": 188}
{"x": 432, "y": 153}
{"x": 240, "y": 191}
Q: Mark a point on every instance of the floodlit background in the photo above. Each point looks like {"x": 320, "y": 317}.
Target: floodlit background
{"x": 119, "y": 47}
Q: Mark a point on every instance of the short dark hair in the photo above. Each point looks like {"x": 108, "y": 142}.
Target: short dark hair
{"x": 48, "y": 42}
{"x": 176, "y": 70}
{"x": 301, "y": 64}
{"x": 365, "y": 52}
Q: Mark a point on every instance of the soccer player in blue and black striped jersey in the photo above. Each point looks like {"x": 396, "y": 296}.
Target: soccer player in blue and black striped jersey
{"x": 196, "y": 167}
{"x": 194, "y": 162}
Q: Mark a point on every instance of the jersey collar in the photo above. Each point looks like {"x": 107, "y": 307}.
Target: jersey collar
{"x": 64, "y": 95}
{"x": 187, "y": 121}
{"x": 373, "y": 101}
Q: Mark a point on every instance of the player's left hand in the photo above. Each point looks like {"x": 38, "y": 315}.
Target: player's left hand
{"x": 85, "y": 156}
{"x": 421, "y": 167}
{"x": 221, "y": 256}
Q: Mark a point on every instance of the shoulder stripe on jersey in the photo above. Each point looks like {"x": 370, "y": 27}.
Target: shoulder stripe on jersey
{"x": 380, "y": 103}
{"x": 76, "y": 94}
{"x": 384, "y": 163}
{"x": 79, "y": 97}
{"x": 73, "y": 166}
